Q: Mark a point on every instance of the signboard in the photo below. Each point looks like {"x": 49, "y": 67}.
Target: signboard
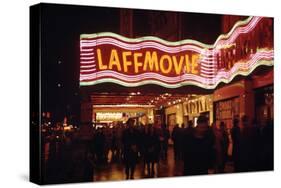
{"x": 197, "y": 106}
{"x": 109, "y": 116}
{"x": 109, "y": 57}
{"x": 226, "y": 110}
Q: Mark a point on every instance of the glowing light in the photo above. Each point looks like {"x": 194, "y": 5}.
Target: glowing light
{"x": 109, "y": 116}
{"x": 90, "y": 70}
{"x": 211, "y": 85}
{"x": 87, "y": 50}
{"x": 124, "y": 105}
{"x": 87, "y": 62}
{"x": 67, "y": 128}
{"x": 222, "y": 73}
{"x": 86, "y": 54}
{"x": 152, "y": 38}
{"x": 88, "y": 66}
{"x": 209, "y": 77}
{"x": 87, "y": 58}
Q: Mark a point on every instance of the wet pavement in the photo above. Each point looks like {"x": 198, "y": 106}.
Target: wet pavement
{"x": 114, "y": 171}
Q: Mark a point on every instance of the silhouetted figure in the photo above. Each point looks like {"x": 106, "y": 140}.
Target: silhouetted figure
{"x": 119, "y": 144}
{"x": 235, "y": 136}
{"x": 151, "y": 149}
{"x": 130, "y": 142}
{"x": 267, "y": 137}
{"x": 88, "y": 164}
{"x": 182, "y": 131}
{"x": 99, "y": 144}
{"x": 114, "y": 148}
{"x": 164, "y": 140}
{"x": 108, "y": 143}
{"x": 189, "y": 128}
{"x": 199, "y": 155}
{"x": 176, "y": 140}
{"x": 255, "y": 145}
{"x": 246, "y": 141}
{"x": 245, "y": 147}
{"x": 221, "y": 146}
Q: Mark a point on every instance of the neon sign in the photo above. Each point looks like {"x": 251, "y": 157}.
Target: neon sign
{"x": 108, "y": 57}
{"x": 149, "y": 61}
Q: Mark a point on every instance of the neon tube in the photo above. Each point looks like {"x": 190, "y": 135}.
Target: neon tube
{"x": 169, "y": 85}
{"x": 251, "y": 21}
{"x": 186, "y": 41}
{"x": 87, "y": 58}
{"x": 209, "y": 76}
{"x": 88, "y": 66}
{"x": 139, "y": 77}
{"x": 87, "y": 62}
{"x": 86, "y": 49}
{"x": 87, "y": 54}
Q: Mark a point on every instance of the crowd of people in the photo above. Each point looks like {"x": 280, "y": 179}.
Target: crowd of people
{"x": 201, "y": 148}
{"x": 131, "y": 144}
{"x": 252, "y": 145}
{"x": 205, "y": 149}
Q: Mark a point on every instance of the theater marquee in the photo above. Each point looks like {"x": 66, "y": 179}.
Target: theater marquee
{"x": 108, "y": 57}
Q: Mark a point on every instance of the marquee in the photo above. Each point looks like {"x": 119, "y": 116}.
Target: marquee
{"x": 109, "y": 57}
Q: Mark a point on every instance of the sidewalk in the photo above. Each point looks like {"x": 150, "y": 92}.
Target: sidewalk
{"x": 168, "y": 168}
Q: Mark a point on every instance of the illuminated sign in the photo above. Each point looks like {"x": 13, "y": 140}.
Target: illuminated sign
{"x": 109, "y": 116}
{"x": 199, "y": 105}
{"x": 108, "y": 57}
{"x": 147, "y": 61}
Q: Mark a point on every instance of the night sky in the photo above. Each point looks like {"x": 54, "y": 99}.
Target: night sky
{"x": 61, "y": 29}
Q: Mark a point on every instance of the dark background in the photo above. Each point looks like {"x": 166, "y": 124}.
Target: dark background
{"x": 61, "y": 29}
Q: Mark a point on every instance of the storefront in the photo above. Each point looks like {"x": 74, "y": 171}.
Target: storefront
{"x": 234, "y": 100}
{"x": 264, "y": 97}
{"x": 264, "y": 105}
{"x": 252, "y": 97}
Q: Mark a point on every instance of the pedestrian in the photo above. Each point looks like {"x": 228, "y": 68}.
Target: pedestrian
{"x": 88, "y": 164}
{"x": 164, "y": 141}
{"x": 99, "y": 145}
{"x": 266, "y": 154}
{"x": 256, "y": 145}
{"x": 152, "y": 148}
{"x": 248, "y": 138}
{"x": 220, "y": 145}
{"x": 199, "y": 153}
{"x": 176, "y": 141}
{"x": 235, "y": 136}
{"x": 181, "y": 135}
{"x": 189, "y": 128}
{"x": 114, "y": 144}
{"x": 108, "y": 143}
{"x": 130, "y": 142}
{"x": 119, "y": 144}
